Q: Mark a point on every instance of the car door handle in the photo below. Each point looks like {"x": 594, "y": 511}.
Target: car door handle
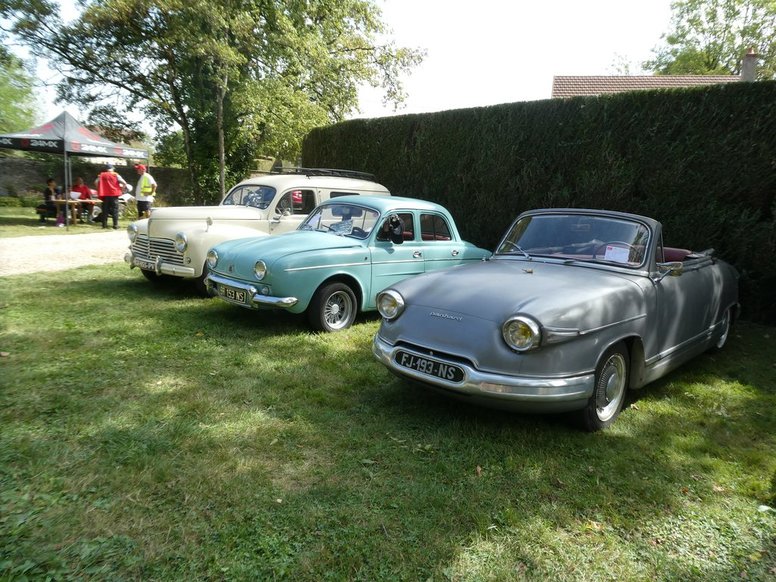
{"x": 454, "y": 253}
{"x": 417, "y": 255}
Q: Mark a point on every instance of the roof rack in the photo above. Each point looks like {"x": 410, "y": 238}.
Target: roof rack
{"x": 325, "y": 172}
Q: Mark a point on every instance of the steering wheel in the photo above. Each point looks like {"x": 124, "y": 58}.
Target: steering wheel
{"x": 615, "y": 243}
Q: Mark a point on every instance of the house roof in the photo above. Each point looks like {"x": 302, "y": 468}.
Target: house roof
{"x": 575, "y": 86}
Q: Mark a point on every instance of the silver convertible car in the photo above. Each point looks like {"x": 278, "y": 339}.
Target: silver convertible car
{"x": 574, "y": 308}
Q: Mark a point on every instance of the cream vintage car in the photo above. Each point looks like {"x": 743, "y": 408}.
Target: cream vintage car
{"x": 173, "y": 242}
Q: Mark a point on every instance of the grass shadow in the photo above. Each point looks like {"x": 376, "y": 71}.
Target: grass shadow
{"x": 206, "y": 439}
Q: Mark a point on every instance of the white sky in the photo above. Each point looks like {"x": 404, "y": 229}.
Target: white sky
{"x": 483, "y": 52}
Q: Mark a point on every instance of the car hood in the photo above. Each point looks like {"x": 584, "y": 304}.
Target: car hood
{"x": 205, "y": 212}
{"x": 564, "y": 296}
{"x": 242, "y": 254}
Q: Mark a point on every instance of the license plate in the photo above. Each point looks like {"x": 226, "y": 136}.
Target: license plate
{"x": 232, "y": 294}
{"x": 430, "y": 367}
{"x": 146, "y": 265}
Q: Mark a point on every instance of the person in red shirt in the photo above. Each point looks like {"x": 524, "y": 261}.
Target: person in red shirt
{"x": 109, "y": 187}
{"x": 84, "y": 193}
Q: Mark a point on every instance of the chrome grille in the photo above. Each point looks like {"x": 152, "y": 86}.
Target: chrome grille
{"x": 149, "y": 249}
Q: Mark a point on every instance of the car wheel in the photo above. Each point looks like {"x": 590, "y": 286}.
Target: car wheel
{"x": 151, "y": 276}
{"x": 727, "y": 324}
{"x": 199, "y": 282}
{"x": 333, "y": 308}
{"x": 611, "y": 386}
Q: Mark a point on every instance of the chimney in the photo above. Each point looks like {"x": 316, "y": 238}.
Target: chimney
{"x": 749, "y": 66}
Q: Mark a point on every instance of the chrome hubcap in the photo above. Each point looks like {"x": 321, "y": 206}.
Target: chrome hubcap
{"x": 337, "y": 310}
{"x": 725, "y": 331}
{"x": 610, "y": 389}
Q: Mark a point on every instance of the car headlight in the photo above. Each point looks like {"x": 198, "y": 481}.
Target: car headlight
{"x": 132, "y": 232}
{"x": 212, "y": 258}
{"x": 390, "y": 304}
{"x": 181, "y": 242}
{"x": 521, "y": 333}
{"x": 260, "y": 270}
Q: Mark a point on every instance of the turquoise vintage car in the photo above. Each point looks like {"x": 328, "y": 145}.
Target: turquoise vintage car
{"x": 333, "y": 266}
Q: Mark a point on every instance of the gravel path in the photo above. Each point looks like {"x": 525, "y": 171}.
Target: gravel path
{"x": 57, "y": 252}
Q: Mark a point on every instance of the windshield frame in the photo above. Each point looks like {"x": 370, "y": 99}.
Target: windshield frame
{"x": 578, "y": 241}
{"x": 261, "y": 196}
{"x": 356, "y": 227}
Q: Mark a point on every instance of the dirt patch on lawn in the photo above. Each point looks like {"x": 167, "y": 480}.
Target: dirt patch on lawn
{"x": 31, "y": 254}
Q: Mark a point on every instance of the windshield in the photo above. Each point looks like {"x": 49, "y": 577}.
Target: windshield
{"x": 342, "y": 219}
{"x": 578, "y": 237}
{"x": 250, "y": 195}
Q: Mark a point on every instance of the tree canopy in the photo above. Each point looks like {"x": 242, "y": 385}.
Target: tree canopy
{"x": 710, "y": 37}
{"x": 236, "y": 78}
{"x": 17, "y": 97}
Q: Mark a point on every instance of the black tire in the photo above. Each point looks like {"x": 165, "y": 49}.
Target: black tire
{"x": 611, "y": 387}
{"x": 199, "y": 282}
{"x": 333, "y": 308}
{"x": 156, "y": 279}
{"x": 151, "y": 276}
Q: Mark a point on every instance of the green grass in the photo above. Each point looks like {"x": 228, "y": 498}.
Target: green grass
{"x": 149, "y": 434}
{"x": 19, "y": 221}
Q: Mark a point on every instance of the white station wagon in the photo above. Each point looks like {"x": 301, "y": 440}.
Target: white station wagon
{"x": 174, "y": 241}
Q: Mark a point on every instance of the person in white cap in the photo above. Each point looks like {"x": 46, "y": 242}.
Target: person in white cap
{"x": 144, "y": 191}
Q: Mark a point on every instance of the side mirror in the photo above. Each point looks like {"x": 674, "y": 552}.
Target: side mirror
{"x": 674, "y": 269}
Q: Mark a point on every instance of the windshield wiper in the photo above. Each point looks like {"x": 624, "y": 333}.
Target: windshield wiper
{"x": 518, "y": 248}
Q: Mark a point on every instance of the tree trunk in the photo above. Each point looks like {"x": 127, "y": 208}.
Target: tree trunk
{"x": 221, "y": 148}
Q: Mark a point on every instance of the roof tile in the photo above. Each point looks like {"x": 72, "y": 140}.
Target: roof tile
{"x": 575, "y": 86}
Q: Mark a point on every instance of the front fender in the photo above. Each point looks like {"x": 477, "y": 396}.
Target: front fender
{"x": 142, "y": 226}
{"x": 303, "y": 281}
{"x": 200, "y": 241}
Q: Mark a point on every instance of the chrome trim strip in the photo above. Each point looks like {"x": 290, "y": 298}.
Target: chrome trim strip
{"x": 325, "y": 267}
{"x": 412, "y": 261}
{"x": 696, "y": 339}
{"x": 608, "y": 325}
{"x": 556, "y": 335}
{"x": 497, "y": 386}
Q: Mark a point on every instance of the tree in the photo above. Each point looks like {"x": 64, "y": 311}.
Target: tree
{"x": 109, "y": 123}
{"x": 17, "y": 100}
{"x": 237, "y": 78}
{"x": 711, "y": 37}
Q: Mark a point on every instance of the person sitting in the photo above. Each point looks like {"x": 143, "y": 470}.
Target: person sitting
{"x": 84, "y": 197}
{"x": 50, "y": 193}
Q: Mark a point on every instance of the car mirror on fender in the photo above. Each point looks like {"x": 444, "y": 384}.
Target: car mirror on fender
{"x": 673, "y": 268}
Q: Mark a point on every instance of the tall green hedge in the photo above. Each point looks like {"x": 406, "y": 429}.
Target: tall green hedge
{"x": 702, "y": 161}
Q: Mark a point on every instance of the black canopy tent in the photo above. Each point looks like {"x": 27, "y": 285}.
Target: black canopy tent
{"x": 65, "y": 135}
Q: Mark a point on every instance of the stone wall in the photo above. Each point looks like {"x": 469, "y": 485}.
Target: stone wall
{"x": 19, "y": 175}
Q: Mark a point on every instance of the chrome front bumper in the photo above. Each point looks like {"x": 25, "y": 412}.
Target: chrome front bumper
{"x": 159, "y": 267}
{"x": 254, "y": 300}
{"x": 520, "y": 393}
